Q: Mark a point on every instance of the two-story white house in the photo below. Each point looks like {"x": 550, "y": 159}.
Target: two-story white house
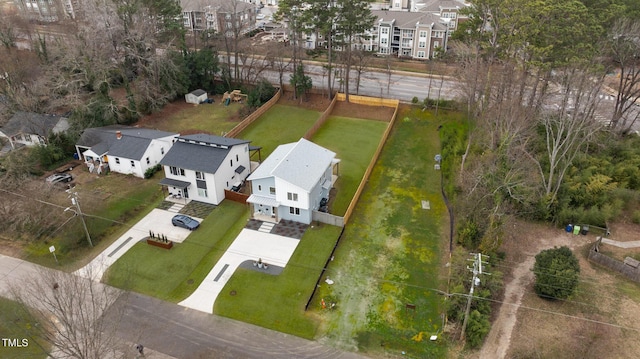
{"x": 200, "y": 167}
{"x": 123, "y": 149}
{"x": 292, "y": 182}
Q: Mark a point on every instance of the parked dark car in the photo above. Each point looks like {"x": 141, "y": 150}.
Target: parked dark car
{"x": 180, "y": 220}
{"x": 59, "y": 178}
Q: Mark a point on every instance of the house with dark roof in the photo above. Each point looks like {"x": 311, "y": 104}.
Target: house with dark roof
{"x": 31, "y": 129}
{"x": 200, "y": 167}
{"x": 292, "y": 182}
{"x": 123, "y": 149}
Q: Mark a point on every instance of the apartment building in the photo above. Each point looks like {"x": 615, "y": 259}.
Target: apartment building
{"x": 49, "y": 10}
{"x": 223, "y": 16}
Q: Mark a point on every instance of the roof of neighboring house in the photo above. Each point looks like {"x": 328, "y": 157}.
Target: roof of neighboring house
{"x": 34, "y": 123}
{"x": 198, "y": 92}
{"x": 132, "y": 145}
{"x": 201, "y": 152}
{"x": 405, "y": 19}
{"x": 300, "y": 163}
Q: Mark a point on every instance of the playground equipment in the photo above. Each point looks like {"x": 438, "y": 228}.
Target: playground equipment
{"x": 235, "y": 96}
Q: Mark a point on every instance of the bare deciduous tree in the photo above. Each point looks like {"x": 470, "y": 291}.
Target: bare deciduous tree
{"x": 71, "y": 308}
{"x": 624, "y": 46}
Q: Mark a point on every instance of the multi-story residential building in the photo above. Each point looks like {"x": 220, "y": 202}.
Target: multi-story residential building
{"x": 49, "y": 10}
{"x": 223, "y": 16}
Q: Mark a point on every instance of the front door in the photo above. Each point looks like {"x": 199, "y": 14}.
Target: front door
{"x": 186, "y": 193}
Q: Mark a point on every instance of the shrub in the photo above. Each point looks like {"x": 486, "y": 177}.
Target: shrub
{"x": 557, "y": 271}
{"x": 152, "y": 170}
{"x": 478, "y": 327}
{"x": 414, "y": 100}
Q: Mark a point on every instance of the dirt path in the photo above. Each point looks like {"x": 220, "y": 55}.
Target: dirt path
{"x": 499, "y": 338}
{"x": 521, "y": 248}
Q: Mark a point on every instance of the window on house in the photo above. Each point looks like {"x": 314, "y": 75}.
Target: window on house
{"x": 272, "y": 190}
{"x": 421, "y": 54}
{"x": 231, "y": 162}
{"x": 133, "y": 164}
{"x": 199, "y": 175}
{"x": 162, "y": 150}
{"x": 117, "y": 161}
{"x": 237, "y": 158}
{"x": 422, "y": 44}
{"x": 202, "y": 192}
{"x": 384, "y": 40}
{"x": 176, "y": 171}
{"x": 181, "y": 171}
{"x": 384, "y": 30}
{"x": 294, "y": 210}
{"x": 423, "y": 34}
{"x": 148, "y": 161}
{"x": 259, "y": 187}
{"x": 292, "y": 196}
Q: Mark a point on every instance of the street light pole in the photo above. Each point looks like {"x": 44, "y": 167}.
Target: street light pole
{"x": 75, "y": 202}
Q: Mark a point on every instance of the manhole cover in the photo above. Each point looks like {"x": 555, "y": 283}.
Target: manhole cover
{"x": 232, "y": 293}
{"x": 190, "y": 281}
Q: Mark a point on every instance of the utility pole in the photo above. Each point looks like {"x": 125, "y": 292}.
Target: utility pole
{"x": 477, "y": 270}
{"x": 75, "y": 202}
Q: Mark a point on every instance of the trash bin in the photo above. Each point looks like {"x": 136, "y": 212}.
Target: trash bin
{"x": 569, "y": 228}
{"x": 576, "y": 229}
{"x": 585, "y": 230}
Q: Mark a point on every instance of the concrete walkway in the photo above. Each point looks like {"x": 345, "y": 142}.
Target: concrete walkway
{"x": 157, "y": 221}
{"x": 249, "y": 245}
{"x": 630, "y": 244}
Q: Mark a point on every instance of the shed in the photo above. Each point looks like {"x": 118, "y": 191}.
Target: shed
{"x": 196, "y": 96}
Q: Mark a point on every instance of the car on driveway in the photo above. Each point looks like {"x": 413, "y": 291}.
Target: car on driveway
{"x": 59, "y": 178}
{"x": 180, "y": 220}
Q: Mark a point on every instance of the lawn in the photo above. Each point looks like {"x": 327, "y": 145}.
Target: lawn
{"x": 17, "y": 324}
{"x": 111, "y": 204}
{"x": 277, "y": 302}
{"x": 281, "y": 124}
{"x": 390, "y": 255}
{"x": 174, "y": 274}
{"x": 354, "y": 141}
{"x": 210, "y": 118}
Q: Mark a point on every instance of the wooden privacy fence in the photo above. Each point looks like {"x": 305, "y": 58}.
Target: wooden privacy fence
{"x": 236, "y": 196}
{"x": 372, "y": 101}
{"x": 254, "y": 116}
{"x": 625, "y": 268}
{"x": 321, "y": 120}
{"x": 369, "y": 101}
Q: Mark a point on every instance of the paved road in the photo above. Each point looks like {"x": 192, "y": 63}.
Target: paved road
{"x": 188, "y": 333}
{"x": 167, "y": 329}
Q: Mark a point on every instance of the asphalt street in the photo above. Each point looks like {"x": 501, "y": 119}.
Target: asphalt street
{"x": 186, "y": 333}
{"x": 167, "y": 329}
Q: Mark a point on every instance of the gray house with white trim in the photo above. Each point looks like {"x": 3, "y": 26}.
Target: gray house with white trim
{"x": 201, "y": 166}
{"x": 291, "y": 183}
{"x": 123, "y": 149}
{"x": 32, "y": 129}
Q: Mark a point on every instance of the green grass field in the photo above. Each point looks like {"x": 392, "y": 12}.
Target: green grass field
{"x": 354, "y": 141}
{"x": 17, "y": 324}
{"x": 281, "y": 124}
{"x": 211, "y": 118}
{"x": 174, "y": 274}
{"x": 111, "y": 204}
{"x": 391, "y": 250}
{"x": 277, "y": 302}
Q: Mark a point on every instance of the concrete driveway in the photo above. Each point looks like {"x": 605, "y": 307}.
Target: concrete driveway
{"x": 158, "y": 221}
{"x": 249, "y": 245}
